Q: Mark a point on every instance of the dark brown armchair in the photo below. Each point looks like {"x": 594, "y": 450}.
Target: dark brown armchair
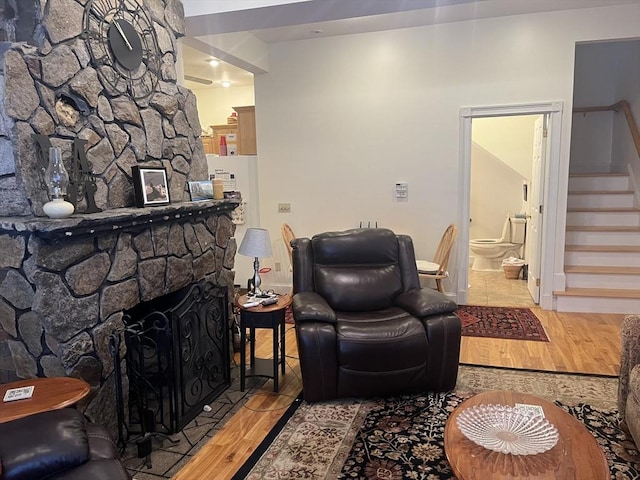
{"x": 363, "y": 324}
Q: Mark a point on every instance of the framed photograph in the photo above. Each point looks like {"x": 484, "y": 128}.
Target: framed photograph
{"x": 201, "y": 190}
{"x": 150, "y": 186}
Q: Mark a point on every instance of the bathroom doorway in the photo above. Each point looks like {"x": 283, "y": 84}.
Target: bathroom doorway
{"x": 506, "y": 177}
{"x": 503, "y": 149}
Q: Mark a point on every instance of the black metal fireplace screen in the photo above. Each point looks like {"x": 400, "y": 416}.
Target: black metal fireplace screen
{"x": 177, "y": 359}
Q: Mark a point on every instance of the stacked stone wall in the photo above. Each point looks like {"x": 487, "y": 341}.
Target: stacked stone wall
{"x": 62, "y": 300}
{"x": 62, "y": 297}
{"x": 48, "y": 86}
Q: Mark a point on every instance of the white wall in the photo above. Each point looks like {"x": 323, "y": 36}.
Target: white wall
{"x": 340, "y": 120}
{"x": 501, "y": 161}
{"x": 496, "y": 193}
{"x": 605, "y": 73}
{"x": 508, "y": 138}
{"x": 627, "y": 87}
{"x": 216, "y": 104}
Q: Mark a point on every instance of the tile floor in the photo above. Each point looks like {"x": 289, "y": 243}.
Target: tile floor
{"x": 167, "y": 459}
{"x": 492, "y": 288}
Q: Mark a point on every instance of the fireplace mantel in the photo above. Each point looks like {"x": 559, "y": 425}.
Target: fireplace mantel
{"x": 123, "y": 219}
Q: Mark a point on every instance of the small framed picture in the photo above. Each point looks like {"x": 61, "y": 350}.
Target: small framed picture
{"x": 150, "y": 186}
{"x": 201, "y": 190}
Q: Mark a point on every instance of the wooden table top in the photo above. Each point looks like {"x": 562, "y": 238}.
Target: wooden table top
{"x": 577, "y": 454}
{"x": 283, "y": 302}
{"x": 49, "y": 394}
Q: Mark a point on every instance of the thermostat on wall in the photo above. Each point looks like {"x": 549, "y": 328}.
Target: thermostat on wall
{"x": 402, "y": 192}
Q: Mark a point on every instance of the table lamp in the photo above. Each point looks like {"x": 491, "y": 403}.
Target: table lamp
{"x": 256, "y": 243}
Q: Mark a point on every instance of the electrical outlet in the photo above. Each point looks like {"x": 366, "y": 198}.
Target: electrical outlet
{"x": 284, "y": 208}
{"x": 278, "y": 267}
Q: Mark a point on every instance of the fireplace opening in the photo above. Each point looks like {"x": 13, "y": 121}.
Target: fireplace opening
{"x": 177, "y": 359}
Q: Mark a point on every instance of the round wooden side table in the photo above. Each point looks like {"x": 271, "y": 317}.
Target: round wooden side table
{"x": 272, "y": 317}
{"x": 49, "y": 394}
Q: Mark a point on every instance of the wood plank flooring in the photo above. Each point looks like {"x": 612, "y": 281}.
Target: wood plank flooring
{"x": 586, "y": 343}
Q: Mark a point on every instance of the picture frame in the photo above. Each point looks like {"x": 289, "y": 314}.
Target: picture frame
{"x": 201, "y": 190}
{"x": 150, "y": 186}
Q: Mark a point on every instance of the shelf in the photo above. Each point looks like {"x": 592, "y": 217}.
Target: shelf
{"x": 111, "y": 220}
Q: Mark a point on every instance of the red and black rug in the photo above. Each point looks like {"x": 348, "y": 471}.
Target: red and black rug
{"x": 501, "y": 322}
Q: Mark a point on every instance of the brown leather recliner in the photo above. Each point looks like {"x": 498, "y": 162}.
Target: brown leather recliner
{"x": 364, "y": 325}
{"x": 58, "y": 445}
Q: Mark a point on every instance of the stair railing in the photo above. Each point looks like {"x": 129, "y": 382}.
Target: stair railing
{"x": 631, "y": 122}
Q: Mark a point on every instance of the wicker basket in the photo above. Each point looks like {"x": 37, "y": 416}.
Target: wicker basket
{"x": 512, "y": 272}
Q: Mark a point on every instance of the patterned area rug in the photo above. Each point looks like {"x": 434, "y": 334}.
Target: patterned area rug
{"x": 403, "y": 437}
{"x": 501, "y": 322}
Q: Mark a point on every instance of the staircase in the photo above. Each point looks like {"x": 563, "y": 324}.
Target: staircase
{"x": 602, "y": 251}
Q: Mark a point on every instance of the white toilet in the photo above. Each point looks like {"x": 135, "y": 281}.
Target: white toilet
{"x": 488, "y": 253}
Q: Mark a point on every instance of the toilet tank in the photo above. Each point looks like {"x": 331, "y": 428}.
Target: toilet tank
{"x": 517, "y": 229}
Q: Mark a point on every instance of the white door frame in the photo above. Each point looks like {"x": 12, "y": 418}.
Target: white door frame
{"x": 549, "y": 194}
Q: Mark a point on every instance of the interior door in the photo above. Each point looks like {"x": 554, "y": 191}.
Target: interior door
{"x": 536, "y": 209}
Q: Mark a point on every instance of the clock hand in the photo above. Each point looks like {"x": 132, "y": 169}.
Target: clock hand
{"x": 124, "y": 37}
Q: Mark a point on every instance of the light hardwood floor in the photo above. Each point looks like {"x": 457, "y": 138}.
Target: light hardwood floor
{"x": 586, "y": 343}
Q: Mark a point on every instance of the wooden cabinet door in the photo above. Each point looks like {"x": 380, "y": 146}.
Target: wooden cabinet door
{"x": 220, "y": 130}
{"x": 246, "y": 130}
{"x": 208, "y": 144}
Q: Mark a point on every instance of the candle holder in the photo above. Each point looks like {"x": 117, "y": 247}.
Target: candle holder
{"x": 57, "y": 181}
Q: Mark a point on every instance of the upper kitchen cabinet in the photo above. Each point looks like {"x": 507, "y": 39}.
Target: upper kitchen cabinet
{"x": 246, "y": 130}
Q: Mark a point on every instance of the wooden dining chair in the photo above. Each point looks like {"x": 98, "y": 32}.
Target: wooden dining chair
{"x": 287, "y": 236}
{"x": 437, "y": 269}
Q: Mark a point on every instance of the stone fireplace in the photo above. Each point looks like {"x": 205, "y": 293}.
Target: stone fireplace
{"x": 65, "y": 283}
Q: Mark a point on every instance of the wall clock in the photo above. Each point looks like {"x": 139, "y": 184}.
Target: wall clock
{"x": 123, "y": 46}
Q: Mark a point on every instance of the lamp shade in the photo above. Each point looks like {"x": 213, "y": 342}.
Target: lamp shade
{"x": 256, "y": 243}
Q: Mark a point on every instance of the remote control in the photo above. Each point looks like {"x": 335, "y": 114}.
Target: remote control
{"x": 269, "y": 301}
{"x": 250, "y": 304}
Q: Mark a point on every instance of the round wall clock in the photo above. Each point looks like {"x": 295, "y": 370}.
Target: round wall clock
{"x": 123, "y": 46}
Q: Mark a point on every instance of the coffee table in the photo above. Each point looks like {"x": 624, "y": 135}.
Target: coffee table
{"x": 577, "y": 455}
{"x": 49, "y": 394}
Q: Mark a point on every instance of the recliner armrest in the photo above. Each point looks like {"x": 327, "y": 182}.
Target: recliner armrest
{"x": 43, "y": 444}
{"x": 310, "y": 306}
{"x": 424, "y": 302}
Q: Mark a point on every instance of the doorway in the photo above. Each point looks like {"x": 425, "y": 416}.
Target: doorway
{"x": 501, "y": 193}
{"x": 547, "y": 183}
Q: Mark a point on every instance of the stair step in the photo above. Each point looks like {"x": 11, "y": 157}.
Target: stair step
{"x": 604, "y": 217}
{"x": 599, "y": 292}
{"x": 597, "y": 304}
{"x": 603, "y": 228}
{"x": 597, "y": 257}
{"x": 610, "y": 281}
{"x": 603, "y": 248}
{"x": 599, "y": 181}
{"x": 604, "y": 209}
{"x": 607, "y": 270}
{"x": 602, "y": 251}
{"x": 601, "y": 192}
{"x": 613, "y": 199}
{"x": 597, "y": 174}
{"x": 602, "y": 235}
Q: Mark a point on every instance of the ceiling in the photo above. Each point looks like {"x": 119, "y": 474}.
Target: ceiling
{"x": 271, "y": 21}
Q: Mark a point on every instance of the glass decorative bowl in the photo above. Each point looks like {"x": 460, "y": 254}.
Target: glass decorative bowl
{"x": 507, "y": 429}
